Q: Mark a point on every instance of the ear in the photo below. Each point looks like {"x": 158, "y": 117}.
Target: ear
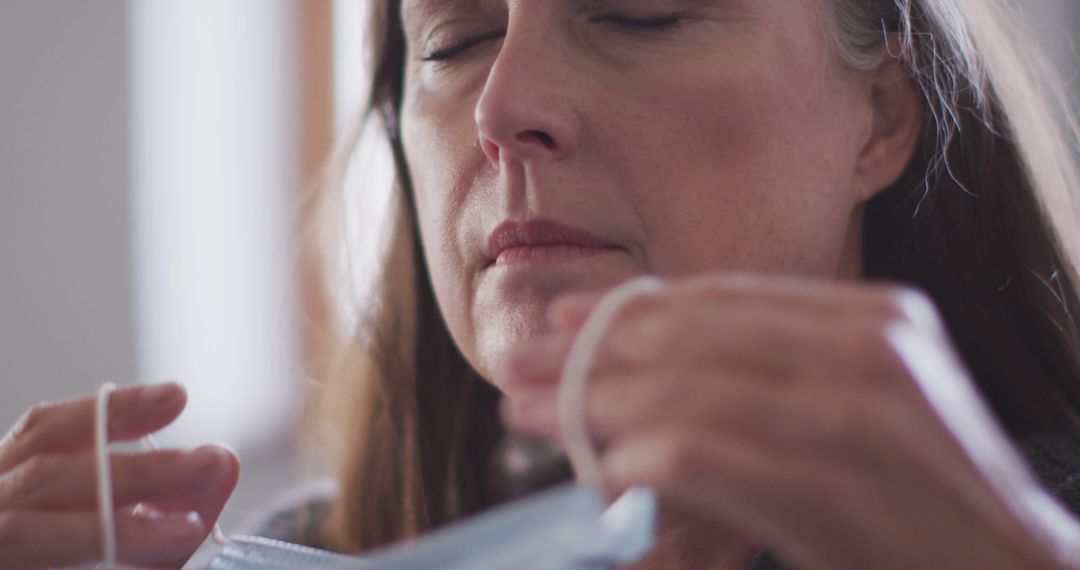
{"x": 897, "y": 104}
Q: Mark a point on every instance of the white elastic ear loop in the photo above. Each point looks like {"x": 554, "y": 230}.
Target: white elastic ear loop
{"x": 104, "y": 474}
{"x": 104, "y": 477}
{"x": 575, "y": 374}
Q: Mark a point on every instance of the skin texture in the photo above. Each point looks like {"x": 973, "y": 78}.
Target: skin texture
{"x": 732, "y": 142}
{"x": 730, "y": 145}
{"x": 48, "y": 491}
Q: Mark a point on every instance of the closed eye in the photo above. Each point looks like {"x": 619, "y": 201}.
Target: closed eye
{"x": 651, "y": 23}
{"x": 660, "y": 23}
{"x": 458, "y": 48}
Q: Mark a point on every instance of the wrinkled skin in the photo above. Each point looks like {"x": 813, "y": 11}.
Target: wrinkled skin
{"x": 701, "y": 142}
{"x": 734, "y": 141}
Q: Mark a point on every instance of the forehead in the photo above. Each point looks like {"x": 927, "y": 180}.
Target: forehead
{"x": 412, "y": 9}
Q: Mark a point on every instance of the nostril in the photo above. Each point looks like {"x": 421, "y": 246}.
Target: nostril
{"x": 541, "y": 137}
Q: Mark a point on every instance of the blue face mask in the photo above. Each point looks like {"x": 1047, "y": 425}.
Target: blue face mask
{"x": 562, "y": 529}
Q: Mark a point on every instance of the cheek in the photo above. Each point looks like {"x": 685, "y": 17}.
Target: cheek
{"x": 445, "y": 165}
{"x": 750, "y": 172}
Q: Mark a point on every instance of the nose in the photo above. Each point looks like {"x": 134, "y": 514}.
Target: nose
{"x": 524, "y": 112}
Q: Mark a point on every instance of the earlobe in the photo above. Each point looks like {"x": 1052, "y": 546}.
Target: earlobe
{"x": 897, "y": 104}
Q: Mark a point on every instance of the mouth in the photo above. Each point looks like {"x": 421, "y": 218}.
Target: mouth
{"x": 537, "y": 241}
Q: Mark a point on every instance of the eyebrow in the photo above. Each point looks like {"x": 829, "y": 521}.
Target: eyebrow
{"x": 595, "y": 4}
{"x": 414, "y": 11}
{"x": 424, "y": 10}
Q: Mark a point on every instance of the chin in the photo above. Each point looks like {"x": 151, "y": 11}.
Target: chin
{"x": 498, "y": 335}
{"x": 512, "y": 308}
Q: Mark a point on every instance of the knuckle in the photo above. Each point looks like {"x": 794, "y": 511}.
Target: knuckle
{"x": 142, "y": 470}
{"x": 29, "y": 481}
{"x": 856, "y": 426}
{"x": 873, "y": 343}
{"x": 136, "y": 467}
{"x": 830, "y": 489}
{"x": 841, "y": 423}
{"x": 29, "y": 424}
{"x": 867, "y": 349}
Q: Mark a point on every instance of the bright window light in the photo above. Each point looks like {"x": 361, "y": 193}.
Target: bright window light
{"x": 368, "y": 183}
{"x": 215, "y": 185}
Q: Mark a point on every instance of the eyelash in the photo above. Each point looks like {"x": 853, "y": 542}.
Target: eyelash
{"x": 659, "y": 23}
{"x": 453, "y": 50}
{"x": 643, "y": 25}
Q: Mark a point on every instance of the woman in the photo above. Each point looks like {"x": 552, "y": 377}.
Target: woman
{"x": 860, "y": 210}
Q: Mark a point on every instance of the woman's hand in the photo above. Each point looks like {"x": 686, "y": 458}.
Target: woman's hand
{"x": 808, "y": 415}
{"x": 48, "y": 485}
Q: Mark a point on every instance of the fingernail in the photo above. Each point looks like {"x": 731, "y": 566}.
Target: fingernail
{"x": 208, "y": 462}
{"x": 160, "y": 394}
{"x": 228, "y": 448}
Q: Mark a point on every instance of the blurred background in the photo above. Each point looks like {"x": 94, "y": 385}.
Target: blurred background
{"x": 155, "y": 157}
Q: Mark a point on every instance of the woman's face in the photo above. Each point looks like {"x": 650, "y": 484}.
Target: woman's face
{"x": 567, "y": 145}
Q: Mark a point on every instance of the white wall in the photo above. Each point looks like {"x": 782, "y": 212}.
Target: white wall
{"x": 1056, "y": 24}
{"x": 215, "y": 185}
{"x": 66, "y": 318}
{"x": 69, "y": 247}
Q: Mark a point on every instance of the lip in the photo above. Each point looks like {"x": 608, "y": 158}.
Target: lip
{"x": 516, "y": 241}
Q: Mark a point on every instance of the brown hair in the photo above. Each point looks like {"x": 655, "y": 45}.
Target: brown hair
{"x": 978, "y": 221}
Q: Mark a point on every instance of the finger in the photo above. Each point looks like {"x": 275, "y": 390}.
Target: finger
{"x": 756, "y": 335}
{"x": 721, "y": 477}
{"x": 66, "y": 482}
{"x": 541, "y": 360}
{"x": 797, "y": 504}
{"x": 813, "y": 296}
{"x": 37, "y": 539}
{"x": 569, "y": 312}
{"x": 752, "y": 338}
{"x": 209, "y": 504}
{"x": 841, "y": 420}
{"x": 615, "y": 408}
{"x": 537, "y": 363}
{"x": 67, "y": 426}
